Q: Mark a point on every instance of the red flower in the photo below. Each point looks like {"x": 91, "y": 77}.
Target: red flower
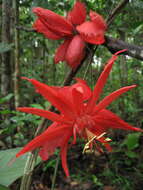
{"x": 74, "y": 30}
{"x": 80, "y": 114}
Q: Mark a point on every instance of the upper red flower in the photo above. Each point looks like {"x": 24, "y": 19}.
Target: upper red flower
{"x": 74, "y": 30}
{"x": 80, "y": 114}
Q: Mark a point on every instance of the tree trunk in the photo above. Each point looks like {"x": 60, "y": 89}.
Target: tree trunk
{"x": 6, "y": 57}
{"x": 16, "y": 53}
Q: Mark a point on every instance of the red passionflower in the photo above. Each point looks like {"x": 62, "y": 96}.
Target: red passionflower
{"x": 74, "y": 30}
{"x": 80, "y": 114}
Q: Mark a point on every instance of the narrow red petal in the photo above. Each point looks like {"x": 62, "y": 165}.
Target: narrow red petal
{"x": 41, "y": 28}
{"x": 64, "y": 147}
{"x": 64, "y": 159}
{"x": 43, "y": 113}
{"x": 108, "y": 147}
{"x": 61, "y": 51}
{"x": 91, "y": 33}
{"x": 51, "y": 94}
{"x": 110, "y": 98}
{"x": 52, "y": 137}
{"x": 54, "y": 21}
{"x": 75, "y": 50}
{"x": 78, "y": 14}
{"x": 105, "y": 143}
{"x": 108, "y": 119}
{"x": 100, "y": 83}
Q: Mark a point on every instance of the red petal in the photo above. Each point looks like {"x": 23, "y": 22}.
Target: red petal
{"x": 54, "y": 21}
{"x": 64, "y": 147}
{"x": 51, "y": 94}
{"x": 75, "y": 51}
{"x": 83, "y": 88}
{"x": 78, "y": 14}
{"x": 49, "y": 147}
{"x": 100, "y": 84}
{"x": 51, "y": 140}
{"x": 91, "y": 33}
{"x": 64, "y": 159}
{"x": 105, "y": 143}
{"x": 61, "y": 51}
{"x": 107, "y": 146}
{"x": 108, "y": 119}
{"x": 110, "y": 98}
{"x": 80, "y": 85}
{"x": 78, "y": 101}
{"x": 65, "y": 93}
{"x": 43, "y": 113}
{"x": 41, "y": 28}
{"x": 98, "y": 20}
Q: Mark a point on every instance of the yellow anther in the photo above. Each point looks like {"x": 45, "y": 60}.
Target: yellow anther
{"x": 86, "y": 147}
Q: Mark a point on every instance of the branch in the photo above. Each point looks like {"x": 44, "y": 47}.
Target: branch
{"x": 114, "y": 45}
{"x": 115, "y": 11}
{"x": 25, "y": 29}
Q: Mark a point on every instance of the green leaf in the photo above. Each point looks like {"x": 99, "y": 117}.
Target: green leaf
{"x": 132, "y": 141}
{"x": 36, "y": 106}
{"x": 4, "y": 47}
{"x": 131, "y": 154}
{"x": 9, "y": 171}
{"x": 2, "y": 187}
{"x": 138, "y": 29}
{"x": 6, "y": 98}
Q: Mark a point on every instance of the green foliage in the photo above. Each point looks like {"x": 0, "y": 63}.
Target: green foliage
{"x": 6, "y": 98}
{"x": 2, "y": 187}
{"x": 132, "y": 141}
{"x": 5, "y": 47}
{"x": 10, "y": 169}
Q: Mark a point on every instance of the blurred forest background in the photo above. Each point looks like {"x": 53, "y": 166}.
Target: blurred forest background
{"x": 23, "y": 52}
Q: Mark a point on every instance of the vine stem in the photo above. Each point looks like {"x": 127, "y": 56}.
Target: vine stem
{"x": 29, "y": 166}
{"x": 55, "y": 172}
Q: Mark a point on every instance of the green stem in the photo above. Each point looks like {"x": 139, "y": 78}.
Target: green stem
{"x": 29, "y": 166}
{"x": 55, "y": 172}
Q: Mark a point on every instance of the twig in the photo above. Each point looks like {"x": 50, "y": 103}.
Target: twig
{"x": 114, "y": 45}
{"x": 90, "y": 61}
{"x": 116, "y": 11}
{"x": 55, "y": 173}
{"x": 25, "y": 29}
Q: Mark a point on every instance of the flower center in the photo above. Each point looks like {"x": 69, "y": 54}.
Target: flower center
{"x": 83, "y": 122}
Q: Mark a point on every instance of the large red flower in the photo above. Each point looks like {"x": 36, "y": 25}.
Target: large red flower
{"x": 80, "y": 114}
{"x": 74, "y": 30}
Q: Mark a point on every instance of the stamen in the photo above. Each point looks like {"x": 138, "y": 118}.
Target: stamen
{"x": 86, "y": 147}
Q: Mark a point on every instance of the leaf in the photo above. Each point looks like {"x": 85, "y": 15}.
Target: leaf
{"x": 131, "y": 154}
{"x": 138, "y": 29}
{"x": 4, "y": 47}
{"x": 9, "y": 172}
{"x": 6, "y": 98}
{"x": 3, "y": 187}
{"x": 36, "y": 106}
{"x": 132, "y": 141}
